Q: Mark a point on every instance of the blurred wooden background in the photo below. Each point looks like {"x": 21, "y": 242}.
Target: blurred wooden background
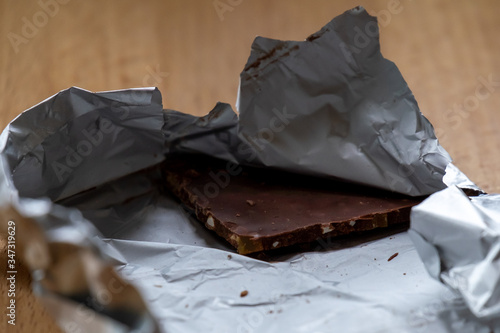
{"x": 194, "y": 50}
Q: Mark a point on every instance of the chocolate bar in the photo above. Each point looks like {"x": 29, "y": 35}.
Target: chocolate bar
{"x": 258, "y": 209}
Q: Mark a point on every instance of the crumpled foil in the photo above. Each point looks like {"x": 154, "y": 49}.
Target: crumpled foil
{"x": 329, "y": 106}
{"x": 458, "y": 239}
{"x": 109, "y": 252}
{"x": 347, "y": 110}
{"x": 74, "y": 141}
{"x": 77, "y": 140}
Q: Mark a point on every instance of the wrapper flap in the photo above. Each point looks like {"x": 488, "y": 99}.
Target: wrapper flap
{"x": 70, "y": 264}
{"x": 77, "y": 138}
{"x": 330, "y": 106}
{"x": 333, "y": 106}
{"x": 214, "y": 134}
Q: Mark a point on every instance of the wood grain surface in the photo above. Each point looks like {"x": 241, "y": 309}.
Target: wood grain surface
{"x": 447, "y": 50}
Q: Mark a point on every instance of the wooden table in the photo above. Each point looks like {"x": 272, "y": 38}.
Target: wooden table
{"x": 194, "y": 51}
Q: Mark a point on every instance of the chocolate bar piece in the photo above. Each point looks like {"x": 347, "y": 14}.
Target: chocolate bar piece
{"x": 258, "y": 209}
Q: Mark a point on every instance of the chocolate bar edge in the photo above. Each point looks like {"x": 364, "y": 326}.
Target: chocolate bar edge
{"x": 249, "y": 244}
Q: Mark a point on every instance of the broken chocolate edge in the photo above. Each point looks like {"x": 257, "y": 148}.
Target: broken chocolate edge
{"x": 245, "y": 244}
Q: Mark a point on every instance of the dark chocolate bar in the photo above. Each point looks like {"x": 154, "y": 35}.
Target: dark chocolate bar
{"x": 258, "y": 209}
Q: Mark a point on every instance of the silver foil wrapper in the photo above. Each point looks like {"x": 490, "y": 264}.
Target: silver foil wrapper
{"x": 70, "y": 143}
{"x": 109, "y": 252}
{"x": 330, "y": 106}
{"x": 77, "y": 140}
{"x": 458, "y": 239}
{"x": 347, "y": 110}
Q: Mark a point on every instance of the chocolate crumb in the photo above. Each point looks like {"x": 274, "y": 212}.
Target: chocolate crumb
{"x": 251, "y": 203}
{"x": 271, "y": 311}
{"x": 404, "y": 273}
{"x": 393, "y": 256}
{"x": 244, "y": 293}
{"x": 229, "y": 257}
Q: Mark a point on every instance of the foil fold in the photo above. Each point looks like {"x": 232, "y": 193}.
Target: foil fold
{"x": 458, "y": 239}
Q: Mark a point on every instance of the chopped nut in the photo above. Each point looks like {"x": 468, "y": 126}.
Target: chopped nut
{"x": 251, "y": 202}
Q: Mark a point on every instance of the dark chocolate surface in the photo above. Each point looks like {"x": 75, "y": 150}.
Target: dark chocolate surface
{"x": 258, "y": 210}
